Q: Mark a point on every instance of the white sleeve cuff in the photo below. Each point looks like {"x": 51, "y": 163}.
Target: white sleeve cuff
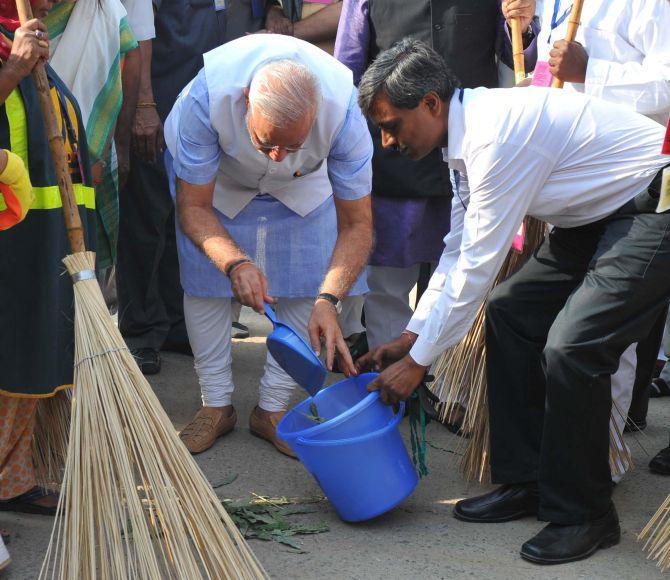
{"x": 424, "y": 353}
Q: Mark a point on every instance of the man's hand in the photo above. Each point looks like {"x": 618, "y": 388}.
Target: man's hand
{"x": 382, "y": 356}
{"x": 147, "y": 139}
{"x": 524, "y": 10}
{"x": 30, "y": 45}
{"x": 568, "y": 61}
{"x": 277, "y": 23}
{"x": 324, "y": 324}
{"x": 250, "y": 287}
{"x": 399, "y": 381}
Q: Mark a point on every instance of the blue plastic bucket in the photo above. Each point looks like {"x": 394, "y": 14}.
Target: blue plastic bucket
{"x": 364, "y": 476}
{"x": 348, "y": 408}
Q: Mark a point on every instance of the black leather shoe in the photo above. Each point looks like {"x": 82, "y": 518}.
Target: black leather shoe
{"x": 661, "y": 463}
{"x": 557, "y": 544}
{"x": 148, "y": 359}
{"x": 507, "y": 503}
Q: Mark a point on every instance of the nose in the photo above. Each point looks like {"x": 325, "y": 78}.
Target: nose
{"x": 388, "y": 140}
{"x": 278, "y": 155}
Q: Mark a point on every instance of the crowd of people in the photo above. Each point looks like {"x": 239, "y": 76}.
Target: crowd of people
{"x": 326, "y": 157}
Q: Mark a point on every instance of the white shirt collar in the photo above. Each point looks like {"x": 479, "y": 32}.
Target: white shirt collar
{"x": 455, "y": 129}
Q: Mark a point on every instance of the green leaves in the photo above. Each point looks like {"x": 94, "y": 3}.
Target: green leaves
{"x": 267, "y": 519}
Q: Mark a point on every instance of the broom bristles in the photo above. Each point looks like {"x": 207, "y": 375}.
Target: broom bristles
{"x": 50, "y": 440}
{"x": 134, "y": 503}
{"x": 657, "y": 534}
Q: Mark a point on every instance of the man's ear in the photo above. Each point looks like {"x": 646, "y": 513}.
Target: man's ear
{"x": 433, "y": 103}
{"x": 245, "y": 91}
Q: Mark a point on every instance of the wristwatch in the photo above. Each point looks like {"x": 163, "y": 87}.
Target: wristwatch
{"x": 334, "y": 300}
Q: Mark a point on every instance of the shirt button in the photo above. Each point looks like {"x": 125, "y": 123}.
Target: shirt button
{"x": 272, "y": 170}
{"x": 437, "y": 27}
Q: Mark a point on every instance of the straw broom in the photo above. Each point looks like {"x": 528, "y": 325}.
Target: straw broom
{"x": 460, "y": 373}
{"x": 657, "y": 534}
{"x": 133, "y": 504}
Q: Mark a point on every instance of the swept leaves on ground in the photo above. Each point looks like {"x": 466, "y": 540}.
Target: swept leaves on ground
{"x": 267, "y": 518}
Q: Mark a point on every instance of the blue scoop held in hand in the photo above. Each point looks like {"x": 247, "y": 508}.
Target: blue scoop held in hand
{"x": 294, "y": 355}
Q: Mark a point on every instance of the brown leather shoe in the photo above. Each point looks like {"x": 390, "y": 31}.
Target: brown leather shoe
{"x": 208, "y": 424}
{"x": 263, "y": 424}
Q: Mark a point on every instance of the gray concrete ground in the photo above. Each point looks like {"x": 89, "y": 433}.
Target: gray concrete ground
{"x": 418, "y": 540}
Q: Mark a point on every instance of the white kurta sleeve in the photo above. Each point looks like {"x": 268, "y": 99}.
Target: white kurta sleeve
{"x": 643, "y": 85}
{"x": 504, "y": 179}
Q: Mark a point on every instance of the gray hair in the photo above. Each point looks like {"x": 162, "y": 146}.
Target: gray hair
{"x": 284, "y": 92}
{"x": 406, "y": 73}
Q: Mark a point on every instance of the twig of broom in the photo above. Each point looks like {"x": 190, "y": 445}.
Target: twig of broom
{"x": 134, "y": 503}
{"x": 573, "y": 25}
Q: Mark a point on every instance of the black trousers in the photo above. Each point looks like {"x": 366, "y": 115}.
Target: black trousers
{"x": 555, "y": 331}
{"x": 647, "y": 355}
{"x": 151, "y": 311}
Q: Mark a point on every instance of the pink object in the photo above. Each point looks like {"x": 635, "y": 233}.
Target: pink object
{"x": 318, "y": 1}
{"x": 541, "y": 75}
{"x": 519, "y": 239}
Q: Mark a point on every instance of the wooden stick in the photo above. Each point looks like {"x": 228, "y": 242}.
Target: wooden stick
{"x": 517, "y": 50}
{"x": 75, "y": 231}
{"x": 573, "y": 25}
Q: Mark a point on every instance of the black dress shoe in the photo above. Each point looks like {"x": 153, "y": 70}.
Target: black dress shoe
{"x": 148, "y": 359}
{"x": 507, "y": 503}
{"x": 558, "y": 544}
{"x": 661, "y": 463}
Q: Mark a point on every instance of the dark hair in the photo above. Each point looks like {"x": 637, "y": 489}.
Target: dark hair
{"x": 406, "y": 72}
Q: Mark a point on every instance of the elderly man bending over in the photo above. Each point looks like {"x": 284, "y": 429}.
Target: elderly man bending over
{"x": 270, "y": 157}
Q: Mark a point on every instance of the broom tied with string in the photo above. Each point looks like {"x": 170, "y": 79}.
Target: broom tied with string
{"x": 134, "y": 503}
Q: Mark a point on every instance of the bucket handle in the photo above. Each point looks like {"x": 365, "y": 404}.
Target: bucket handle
{"x": 271, "y": 314}
{"x": 391, "y": 424}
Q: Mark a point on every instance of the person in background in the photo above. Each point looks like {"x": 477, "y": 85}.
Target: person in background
{"x": 621, "y": 54}
{"x": 151, "y": 312}
{"x": 314, "y": 21}
{"x": 36, "y": 300}
{"x": 90, "y": 65}
{"x": 411, "y": 200}
{"x": 16, "y": 196}
{"x": 271, "y": 159}
{"x": 661, "y": 462}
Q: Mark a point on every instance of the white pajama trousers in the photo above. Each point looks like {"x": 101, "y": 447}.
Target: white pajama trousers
{"x": 208, "y": 322}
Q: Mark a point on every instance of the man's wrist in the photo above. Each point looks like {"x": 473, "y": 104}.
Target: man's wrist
{"x": 409, "y": 336}
{"x": 331, "y": 299}
{"x": 234, "y": 265}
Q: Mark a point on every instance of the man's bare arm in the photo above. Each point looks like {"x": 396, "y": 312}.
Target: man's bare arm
{"x": 354, "y": 243}
{"x": 320, "y": 26}
{"x": 199, "y": 222}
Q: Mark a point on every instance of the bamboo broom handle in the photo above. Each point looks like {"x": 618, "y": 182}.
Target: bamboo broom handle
{"x": 75, "y": 231}
{"x": 517, "y": 50}
{"x": 573, "y": 25}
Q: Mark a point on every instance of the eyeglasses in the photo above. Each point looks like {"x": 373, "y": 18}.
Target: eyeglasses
{"x": 268, "y": 148}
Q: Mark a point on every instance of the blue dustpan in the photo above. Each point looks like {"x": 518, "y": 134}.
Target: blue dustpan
{"x": 294, "y": 355}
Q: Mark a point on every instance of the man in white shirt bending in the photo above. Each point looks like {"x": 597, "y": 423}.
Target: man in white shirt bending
{"x": 555, "y": 329}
